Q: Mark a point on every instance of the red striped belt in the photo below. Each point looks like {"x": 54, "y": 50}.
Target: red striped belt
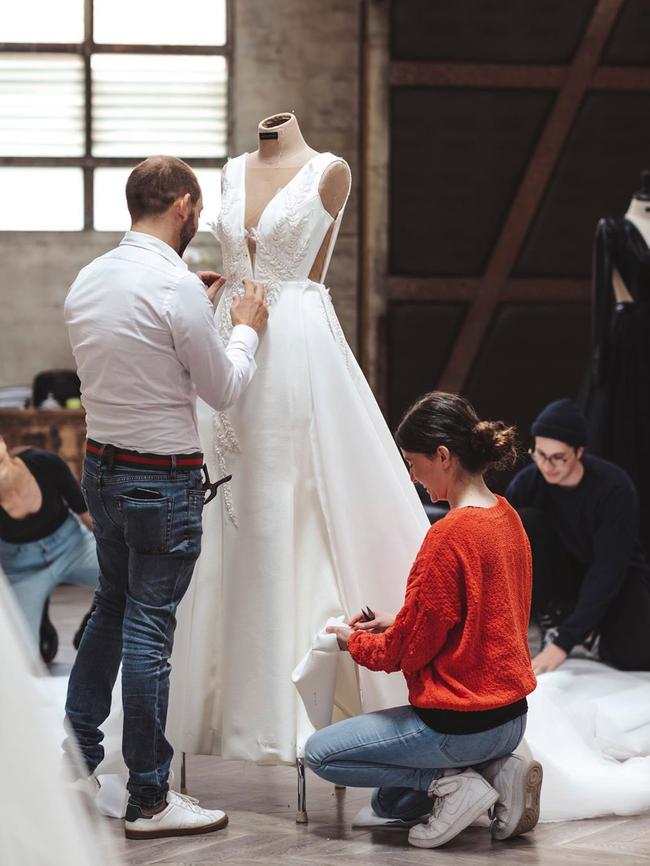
{"x": 145, "y": 461}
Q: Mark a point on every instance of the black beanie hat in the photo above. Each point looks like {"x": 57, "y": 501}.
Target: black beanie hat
{"x": 561, "y": 420}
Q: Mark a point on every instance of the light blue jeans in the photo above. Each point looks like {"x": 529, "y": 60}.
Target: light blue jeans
{"x": 68, "y": 555}
{"x": 394, "y": 752}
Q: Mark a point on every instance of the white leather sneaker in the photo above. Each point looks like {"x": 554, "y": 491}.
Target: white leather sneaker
{"x": 518, "y": 781}
{"x": 182, "y": 816}
{"x": 457, "y": 802}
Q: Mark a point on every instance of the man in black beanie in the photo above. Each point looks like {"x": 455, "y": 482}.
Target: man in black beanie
{"x": 591, "y": 584}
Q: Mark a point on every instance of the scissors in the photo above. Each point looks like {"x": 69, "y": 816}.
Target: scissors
{"x": 368, "y": 614}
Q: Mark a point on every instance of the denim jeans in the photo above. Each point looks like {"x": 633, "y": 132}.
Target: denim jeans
{"x": 34, "y": 568}
{"x": 397, "y": 754}
{"x": 147, "y": 524}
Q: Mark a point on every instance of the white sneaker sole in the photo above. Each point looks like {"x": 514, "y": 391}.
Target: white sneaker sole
{"x": 478, "y": 808}
{"x": 525, "y": 815}
{"x": 162, "y": 833}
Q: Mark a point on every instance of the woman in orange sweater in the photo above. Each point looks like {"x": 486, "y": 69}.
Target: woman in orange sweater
{"x": 461, "y": 642}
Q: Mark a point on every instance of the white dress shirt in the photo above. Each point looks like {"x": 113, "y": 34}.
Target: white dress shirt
{"x": 143, "y": 335}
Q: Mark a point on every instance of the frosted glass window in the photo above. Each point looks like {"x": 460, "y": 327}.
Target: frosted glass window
{"x": 42, "y": 199}
{"x": 42, "y": 21}
{"x": 41, "y": 105}
{"x": 111, "y": 213}
{"x": 145, "y": 105}
{"x": 163, "y": 22}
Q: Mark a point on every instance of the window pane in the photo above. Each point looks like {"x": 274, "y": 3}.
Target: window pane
{"x": 43, "y": 21}
{"x": 141, "y": 22}
{"x": 41, "y": 105}
{"x": 145, "y": 105}
{"x": 111, "y": 213}
{"x": 42, "y": 199}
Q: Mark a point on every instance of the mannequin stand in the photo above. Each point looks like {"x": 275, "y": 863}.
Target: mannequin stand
{"x": 301, "y": 814}
{"x": 183, "y": 776}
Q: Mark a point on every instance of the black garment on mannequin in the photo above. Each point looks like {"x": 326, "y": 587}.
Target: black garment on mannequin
{"x": 585, "y": 545}
{"x": 617, "y": 402}
{"x": 557, "y": 579}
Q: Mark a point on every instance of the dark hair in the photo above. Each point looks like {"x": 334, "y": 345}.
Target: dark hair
{"x": 438, "y": 419}
{"x": 155, "y": 184}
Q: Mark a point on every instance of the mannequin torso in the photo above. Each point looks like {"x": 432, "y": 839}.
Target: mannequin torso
{"x": 639, "y": 214}
{"x": 281, "y": 155}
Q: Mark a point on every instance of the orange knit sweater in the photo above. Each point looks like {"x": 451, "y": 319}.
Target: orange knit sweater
{"x": 461, "y": 637}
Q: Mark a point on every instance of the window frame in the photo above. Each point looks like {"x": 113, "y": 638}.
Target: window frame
{"x": 86, "y": 49}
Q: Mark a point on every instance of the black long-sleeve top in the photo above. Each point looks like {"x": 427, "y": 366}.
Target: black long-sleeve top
{"x": 61, "y": 494}
{"x": 597, "y": 521}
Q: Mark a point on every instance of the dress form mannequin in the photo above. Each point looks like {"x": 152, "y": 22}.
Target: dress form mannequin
{"x": 638, "y": 213}
{"x": 281, "y": 154}
{"x": 280, "y": 555}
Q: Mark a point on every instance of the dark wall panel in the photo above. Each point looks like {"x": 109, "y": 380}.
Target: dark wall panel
{"x": 596, "y": 176}
{"x": 419, "y": 338}
{"x": 499, "y": 31}
{"x": 630, "y": 42}
{"x": 457, "y": 157}
{"x": 533, "y": 353}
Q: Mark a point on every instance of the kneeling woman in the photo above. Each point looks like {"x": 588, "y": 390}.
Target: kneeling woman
{"x": 461, "y": 642}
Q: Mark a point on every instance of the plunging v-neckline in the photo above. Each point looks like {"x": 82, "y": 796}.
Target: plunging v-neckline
{"x": 273, "y": 197}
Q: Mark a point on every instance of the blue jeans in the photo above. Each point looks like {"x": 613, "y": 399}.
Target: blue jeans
{"x": 397, "y": 754}
{"x": 147, "y": 524}
{"x": 68, "y": 555}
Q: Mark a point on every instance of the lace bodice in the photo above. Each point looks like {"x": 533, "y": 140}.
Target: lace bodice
{"x": 288, "y": 236}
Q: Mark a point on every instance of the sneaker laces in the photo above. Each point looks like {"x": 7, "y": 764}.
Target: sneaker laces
{"x": 185, "y": 800}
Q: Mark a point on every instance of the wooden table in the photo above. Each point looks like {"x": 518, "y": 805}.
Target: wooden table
{"x": 60, "y": 430}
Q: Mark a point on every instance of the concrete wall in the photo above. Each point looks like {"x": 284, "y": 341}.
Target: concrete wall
{"x": 290, "y": 55}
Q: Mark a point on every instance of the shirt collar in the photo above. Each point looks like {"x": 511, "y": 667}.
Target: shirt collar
{"x": 155, "y": 245}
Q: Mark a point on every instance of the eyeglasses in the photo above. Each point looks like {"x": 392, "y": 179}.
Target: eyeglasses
{"x": 553, "y": 460}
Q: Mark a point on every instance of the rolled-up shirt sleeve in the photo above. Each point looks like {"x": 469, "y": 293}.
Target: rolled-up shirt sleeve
{"x": 219, "y": 374}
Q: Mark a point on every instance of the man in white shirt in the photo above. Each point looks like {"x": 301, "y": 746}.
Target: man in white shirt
{"x": 143, "y": 335}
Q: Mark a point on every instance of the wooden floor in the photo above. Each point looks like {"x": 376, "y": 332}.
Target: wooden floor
{"x": 261, "y": 803}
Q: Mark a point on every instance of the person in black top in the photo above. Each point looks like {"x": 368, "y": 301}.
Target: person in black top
{"x": 591, "y": 583}
{"x": 45, "y": 536}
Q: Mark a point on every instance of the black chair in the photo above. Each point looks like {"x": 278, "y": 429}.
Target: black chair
{"x": 61, "y": 384}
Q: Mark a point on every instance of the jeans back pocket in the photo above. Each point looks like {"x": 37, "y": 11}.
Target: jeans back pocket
{"x": 148, "y": 517}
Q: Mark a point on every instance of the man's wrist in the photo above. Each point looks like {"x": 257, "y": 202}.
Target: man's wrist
{"x": 246, "y": 335}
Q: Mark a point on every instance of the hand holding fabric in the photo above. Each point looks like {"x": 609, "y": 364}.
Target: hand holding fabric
{"x": 212, "y": 282}
{"x": 342, "y": 633}
{"x": 379, "y": 623}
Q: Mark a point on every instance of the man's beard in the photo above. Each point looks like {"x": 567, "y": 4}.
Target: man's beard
{"x": 187, "y": 233}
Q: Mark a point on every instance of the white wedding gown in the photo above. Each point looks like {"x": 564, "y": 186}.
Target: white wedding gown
{"x": 320, "y": 518}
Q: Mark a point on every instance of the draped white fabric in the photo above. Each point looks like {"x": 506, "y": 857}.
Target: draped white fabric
{"x": 44, "y": 823}
{"x": 589, "y": 725}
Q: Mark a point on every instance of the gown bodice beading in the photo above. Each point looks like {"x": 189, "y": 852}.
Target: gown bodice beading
{"x": 288, "y": 237}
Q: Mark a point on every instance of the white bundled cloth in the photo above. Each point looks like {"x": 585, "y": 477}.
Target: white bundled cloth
{"x": 327, "y": 681}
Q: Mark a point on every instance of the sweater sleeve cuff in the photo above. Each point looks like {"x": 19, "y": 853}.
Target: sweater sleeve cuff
{"x": 355, "y": 646}
{"x": 360, "y": 646}
{"x": 564, "y": 642}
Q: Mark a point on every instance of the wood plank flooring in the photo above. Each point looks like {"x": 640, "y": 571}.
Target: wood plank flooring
{"x": 261, "y": 804}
